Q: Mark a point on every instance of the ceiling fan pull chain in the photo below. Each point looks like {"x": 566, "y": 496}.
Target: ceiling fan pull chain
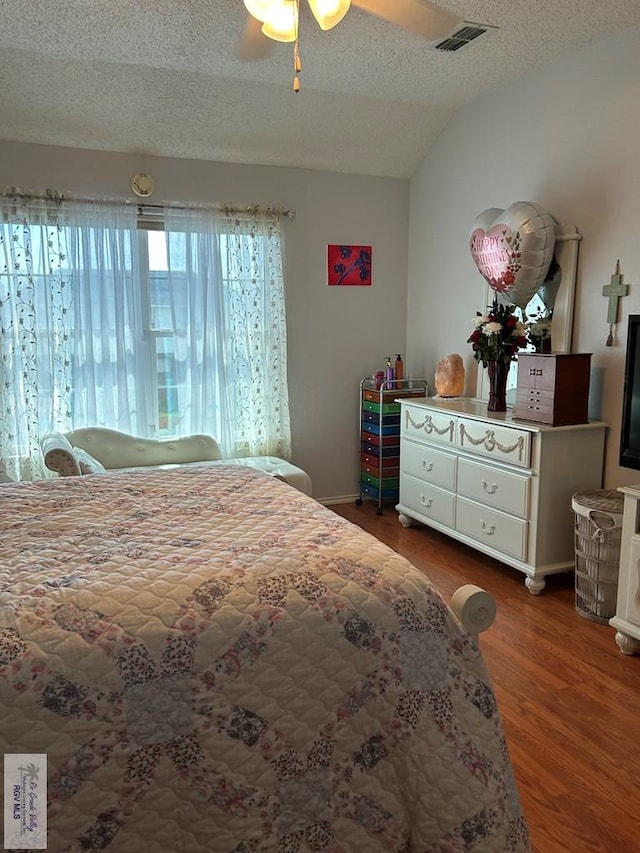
{"x": 297, "y": 64}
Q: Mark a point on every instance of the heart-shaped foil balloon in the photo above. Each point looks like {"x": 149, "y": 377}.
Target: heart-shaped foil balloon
{"x": 513, "y": 248}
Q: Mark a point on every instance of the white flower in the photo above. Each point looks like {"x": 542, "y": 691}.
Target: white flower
{"x": 540, "y": 327}
{"x": 493, "y": 328}
{"x": 480, "y": 320}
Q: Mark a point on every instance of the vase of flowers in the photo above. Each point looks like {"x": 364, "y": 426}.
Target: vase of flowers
{"x": 495, "y": 340}
{"x": 498, "y": 372}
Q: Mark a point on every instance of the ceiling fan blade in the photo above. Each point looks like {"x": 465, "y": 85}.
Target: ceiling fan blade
{"x": 253, "y": 44}
{"x": 422, "y": 18}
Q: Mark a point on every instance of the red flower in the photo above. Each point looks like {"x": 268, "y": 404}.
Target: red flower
{"x": 499, "y": 334}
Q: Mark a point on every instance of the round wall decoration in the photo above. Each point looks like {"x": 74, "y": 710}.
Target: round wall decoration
{"x": 142, "y": 184}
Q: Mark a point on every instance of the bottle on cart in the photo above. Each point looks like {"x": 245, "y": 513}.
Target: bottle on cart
{"x": 389, "y": 373}
{"x": 399, "y": 371}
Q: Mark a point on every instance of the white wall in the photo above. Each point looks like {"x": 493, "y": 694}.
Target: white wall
{"x": 566, "y": 138}
{"x": 337, "y": 335}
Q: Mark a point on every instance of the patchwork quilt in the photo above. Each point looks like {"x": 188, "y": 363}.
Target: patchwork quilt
{"x": 212, "y": 661}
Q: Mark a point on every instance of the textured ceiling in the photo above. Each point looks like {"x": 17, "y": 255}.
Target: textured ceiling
{"x": 160, "y": 77}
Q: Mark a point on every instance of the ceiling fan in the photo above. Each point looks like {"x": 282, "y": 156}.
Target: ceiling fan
{"x": 277, "y": 20}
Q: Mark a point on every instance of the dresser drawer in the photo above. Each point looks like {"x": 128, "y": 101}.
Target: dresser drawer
{"x": 493, "y": 440}
{"x": 494, "y": 487}
{"x": 533, "y": 395}
{"x": 427, "y": 500}
{"x": 534, "y": 408}
{"x": 545, "y": 408}
{"x": 530, "y": 400}
{"x": 421, "y": 423}
{"x": 429, "y": 464}
{"x": 493, "y": 528}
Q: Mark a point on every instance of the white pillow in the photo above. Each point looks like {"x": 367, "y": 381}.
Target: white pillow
{"x": 88, "y": 464}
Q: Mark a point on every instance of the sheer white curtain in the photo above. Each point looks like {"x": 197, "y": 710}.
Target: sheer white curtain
{"x": 92, "y": 334}
{"x": 109, "y": 352}
{"x": 70, "y": 352}
{"x": 227, "y": 297}
{"x": 35, "y": 329}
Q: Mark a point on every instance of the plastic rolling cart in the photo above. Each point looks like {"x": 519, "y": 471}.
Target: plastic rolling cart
{"x": 380, "y": 436}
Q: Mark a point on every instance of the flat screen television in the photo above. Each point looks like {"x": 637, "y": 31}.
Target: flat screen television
{"x": 630, "y": 432}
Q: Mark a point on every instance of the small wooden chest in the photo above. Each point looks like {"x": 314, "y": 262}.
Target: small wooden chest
{"x": 553, "y": 388}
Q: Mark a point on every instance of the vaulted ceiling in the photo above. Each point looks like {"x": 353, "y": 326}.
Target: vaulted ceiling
{"x": 161, "y": 77}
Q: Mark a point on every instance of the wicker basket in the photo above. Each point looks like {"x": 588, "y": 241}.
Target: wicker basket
{"x": 598, "y": 531}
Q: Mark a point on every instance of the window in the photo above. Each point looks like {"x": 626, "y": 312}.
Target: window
{"x": 159, "y": 326}
{"x": 151, "y": 332}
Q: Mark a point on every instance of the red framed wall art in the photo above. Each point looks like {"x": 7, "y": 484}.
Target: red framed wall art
{"x": 348, "y": 265}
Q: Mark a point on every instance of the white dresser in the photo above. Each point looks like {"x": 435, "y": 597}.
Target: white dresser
{"x": 500, "y": 485}
{"x": 627, "y": 618}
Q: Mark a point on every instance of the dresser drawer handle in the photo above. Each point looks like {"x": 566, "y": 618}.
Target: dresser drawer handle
{"x": 489, "y": 529}
{"x": 535, "y": 408}
{"x": 426, "y": 502}
{"x": 428, "y": 466}
{"x": 490, "y": 489}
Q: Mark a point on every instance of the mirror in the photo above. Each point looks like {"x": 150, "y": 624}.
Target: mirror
{"x": 555, "y": 294}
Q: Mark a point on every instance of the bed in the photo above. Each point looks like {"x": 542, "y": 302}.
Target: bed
{"x": 212, "y": 661}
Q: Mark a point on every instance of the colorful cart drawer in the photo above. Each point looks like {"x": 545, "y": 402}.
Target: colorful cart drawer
{"x": 369, "y": 491}
{"x": 372, "y": 460}
{"x": 385, "y": 408}
{"x": 385, "y": 482}
{"x": 377, "y": 441}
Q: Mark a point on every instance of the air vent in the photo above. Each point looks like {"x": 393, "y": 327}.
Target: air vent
{"x": 463, "y": 36}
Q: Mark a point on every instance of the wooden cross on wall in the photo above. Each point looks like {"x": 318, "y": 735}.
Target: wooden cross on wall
{"x": 614, "y": 290}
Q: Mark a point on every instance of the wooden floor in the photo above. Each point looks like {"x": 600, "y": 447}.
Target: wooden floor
{"x": 570, "y": 701}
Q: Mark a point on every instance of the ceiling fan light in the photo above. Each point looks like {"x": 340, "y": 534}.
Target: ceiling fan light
{"x": 259, "y": 9}
{"x": 282, "y": 21}
{"x": 328, "y": 13}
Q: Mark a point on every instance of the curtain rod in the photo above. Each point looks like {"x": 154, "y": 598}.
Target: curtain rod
{"x": 153, "y": 209}
{"x": 146, "y": 209}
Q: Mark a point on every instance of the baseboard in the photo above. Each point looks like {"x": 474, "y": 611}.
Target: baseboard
{"x": 345, "y": 499}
